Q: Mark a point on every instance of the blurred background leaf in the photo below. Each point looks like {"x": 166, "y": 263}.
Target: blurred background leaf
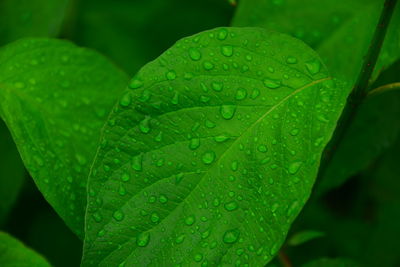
{"x": 133, "y": 32}
{"x": 11, "y": 172}
{"x": 31, "y": 18}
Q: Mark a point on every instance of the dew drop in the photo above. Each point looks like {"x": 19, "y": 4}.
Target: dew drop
{"x": 163, "y": 199}
{"x": 208, "y": 65}
{"x": 241, "y": 94}
{"x": 144, "y": 125}
{"x": 262, "y": 148}
{"x": 294, "y": 132}
{"x": 227, "y": 50}
{"x": 118, "y": 215}
{"x": 194, "y": 54}
{"x": 231, "y": 206}
{"x": 291, "y": 60}
{"x": 126, "y": 100}
{"x": 135, "y": 83}
{"x": 231, "y": 236}
{"x": 313, "y": 66}
{"x": 222, "y": 34}
{"x": 194, "y": 143}
{"x": 217, "y": 86}
{"x": 294, "y": 167}
{"x": 190, "y": 220}
{"x": 171, "y": 75}
{"x": 143, "y": 239}
{"x": 208, "y": 157}
{"x": 155, "y": 218}
{"x": 227, "y": 111}
{"x": 180, "y": 239}
{"x": 272, "y": 84}
{"x": 137, "y": 163}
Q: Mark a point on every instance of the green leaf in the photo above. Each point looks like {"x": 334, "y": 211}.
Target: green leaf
{"x": 30, "y": 18}
{"x": 326, "y": 262}
{"x": 54, "y": 97}
{"x": 134, "y": 32}
{"x": 15, "y": 254}
{"x": 11, "y": 172}
{"x": 302, "y": 237}
{"x": 340, "y": 31}
{"x": 212, "y": 153}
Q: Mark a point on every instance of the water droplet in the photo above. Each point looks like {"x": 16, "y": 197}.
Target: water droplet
{"x": 272, "y": 84}
{"x": 155, "y": 218}
{"x": 175, "y": 98}
{"x": 221, "y": 138}
{"x": 144, "y": 125}
{"x": 180, "y": 239}
{"x": 208, "y": 65}
{"x": 126, "y": 99}
{"x": 163, "y": 199}
{"x": 227, "y": 50}
{"x": 231, "y": 206}
{"x": 97, "y": 217}
{"x": 241, "y": 94}
{"x": 137, "y": 163}
{"x": 227, "y": 111}
{"x": 143, "y": 239}
{"x": 125, "y": 177}
{"x": 291, "y": 60}
{"x": 194, "y": 143}
{"x": 294, "y": 132}
{"x": 262, "y": 148}
{"x": 118, "y": 215}
{"x": 255, "y": 94}
{"x": 135, "y": 83}
{"x": 294, "y": 167}
{"x": 313, "y": 66}
{"x": 222, "y": 34}
{"x": 208, "y": 157}
{"x": 231, "y": 236}
{"x": 158, "y": 137}
{"x": 190, "y": 220}
{"x": 81, "y": 159}
{"x": 171, "y": 75}
{"x": 194, "y": 54}
{"x": 217, "y": 86}
{"x": 198, "y": 257}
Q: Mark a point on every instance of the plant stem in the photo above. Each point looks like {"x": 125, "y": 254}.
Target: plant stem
{"x": 384, "y": 88}
{"x": 360, "y": 88}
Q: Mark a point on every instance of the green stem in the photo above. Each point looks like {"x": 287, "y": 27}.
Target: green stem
{"x": 384, "y": 88}
{"x": 361, "y": 86}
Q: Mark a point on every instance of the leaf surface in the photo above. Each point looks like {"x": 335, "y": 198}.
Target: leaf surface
{"x": 15, "y": 254}
{"x": 55, "y": 97}
{"x": 11, "y": 172}
{"x": 30, "y": 18}
{"x": 212, "y": 153}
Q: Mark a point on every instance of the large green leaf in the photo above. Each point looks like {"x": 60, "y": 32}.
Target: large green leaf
{"x": 212, "y": 153}
{"x": 133, "y": 32}
{"x": 15, "y": 254}
{"x": 54, "y": 97}
{"x": 11, "y": 172}
{"x": 30, "y": 18}
{"x": 339, "y": 30}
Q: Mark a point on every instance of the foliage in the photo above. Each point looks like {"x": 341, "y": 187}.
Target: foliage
{"x": 248, "y": 143}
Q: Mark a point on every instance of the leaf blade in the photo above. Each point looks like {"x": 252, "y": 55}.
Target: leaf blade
{"x": 54, "y": 98}
{"x": 183, "y": 123}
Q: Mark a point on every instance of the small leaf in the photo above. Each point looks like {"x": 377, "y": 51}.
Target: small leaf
{"x": 302, "y": 237}
{"x": 14, "y": 253}
{"x": 11, "y": 172}
{"x": 54, "y": 97}
{"x": 30, "y": 18}
{"x": 191, "y": 173}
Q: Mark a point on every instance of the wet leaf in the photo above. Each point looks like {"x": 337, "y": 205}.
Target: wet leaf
{"x": 211, "y": 153}
{"x": 54, "y": 97}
